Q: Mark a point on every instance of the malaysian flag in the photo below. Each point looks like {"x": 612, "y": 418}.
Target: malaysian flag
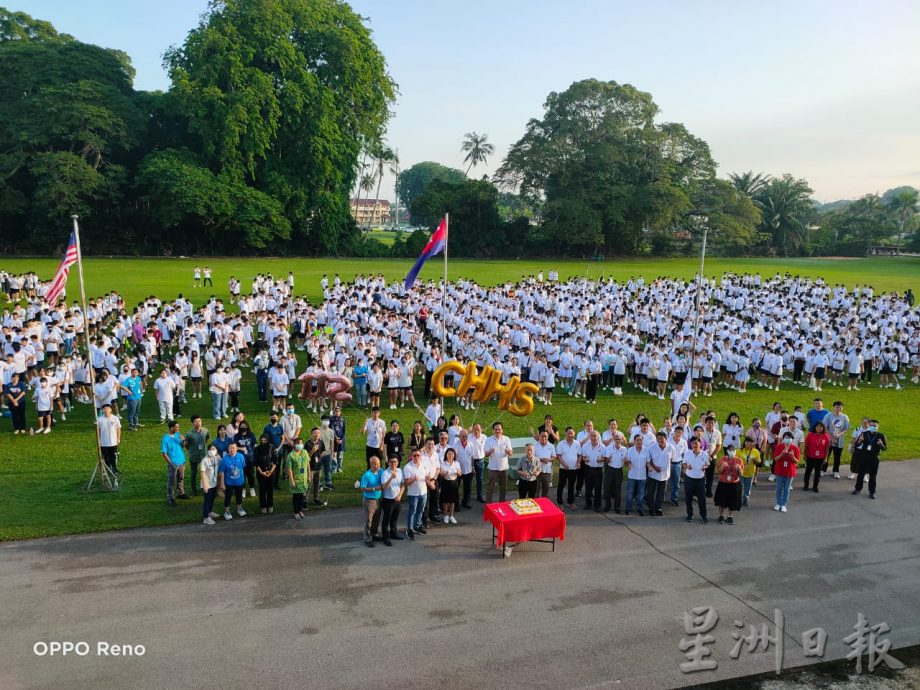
{"x": 60, "y": 278}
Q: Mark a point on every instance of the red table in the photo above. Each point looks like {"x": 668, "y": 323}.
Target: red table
{"x": 510, "y": 529}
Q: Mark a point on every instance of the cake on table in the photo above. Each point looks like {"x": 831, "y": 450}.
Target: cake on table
{"x": 525, "y": 506}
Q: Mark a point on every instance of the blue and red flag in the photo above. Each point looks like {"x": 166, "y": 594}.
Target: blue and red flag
{"x": 437, "y": 243}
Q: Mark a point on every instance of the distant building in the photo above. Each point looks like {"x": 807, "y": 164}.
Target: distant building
{"x": 369, "y": 212}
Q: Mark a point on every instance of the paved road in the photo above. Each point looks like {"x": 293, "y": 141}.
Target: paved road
{"x": 279, "y": 603}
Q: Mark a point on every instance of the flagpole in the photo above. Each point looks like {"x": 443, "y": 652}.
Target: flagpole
{"x": 444, "y": 291}
{"x": 696, "y": 317}
{"x": 101, "y": 467}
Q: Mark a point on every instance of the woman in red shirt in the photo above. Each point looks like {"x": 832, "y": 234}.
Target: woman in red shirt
{"x": 817, "y": 446}
{"x": 785, "y": 462}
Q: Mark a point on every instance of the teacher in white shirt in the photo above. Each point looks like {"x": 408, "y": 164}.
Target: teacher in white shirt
{"x": 497, "y": 450}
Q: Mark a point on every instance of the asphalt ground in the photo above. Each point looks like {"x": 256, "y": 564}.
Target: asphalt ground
{"x": 270, "y": 602}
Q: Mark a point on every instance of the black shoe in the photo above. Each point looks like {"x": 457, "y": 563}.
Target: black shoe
{"x": 855, "y": 492}
{"x": 730, "y": 520}
{"x": 422, "y": 530}
{"x": 397, "y": 536}
{"x": 675, "y": 503}
{"x": 659, "y": 513}
{"x": 466, "y": 506}
{"x": 626, "y": 513}
{"x": 183, "y": 497}
{"x": 369, "y": 544}
{"x": 606, "y": 509}
{"x": 317, "y": 502}
{"x": 708, "y": 494}
{"x": 410, "y": 534}
{"x": 872, "y": 496}
{"x": 616, "y": 510}
{"x": 689, "y": 518}
{"x": 480, "y": 499}
{"x": 171, "y": 502}
{"x": 641, "y": 514}
{"x": 705, "y": 521}
{"x": 377, "y": 537}
{"x": 387, "y": 542}
{"x": 721, "y": 519}
{"x": 815, "y": 489}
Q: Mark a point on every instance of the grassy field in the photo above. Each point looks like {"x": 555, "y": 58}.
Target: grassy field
{"x": 43, "y": 476}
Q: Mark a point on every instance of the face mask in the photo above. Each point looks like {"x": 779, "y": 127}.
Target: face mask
{"x": 298, "y": 447}
{"x": 787, "y": 441}
{"x": 325, "y": 422}
{"x": 873, "y": 428}
{"x": 756, "y": 425}
{"x": 289, "y": 412}
{"x": 212, "y": 452}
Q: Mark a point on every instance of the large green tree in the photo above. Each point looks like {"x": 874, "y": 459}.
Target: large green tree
{"x": 476, "y": 229}
{"x": 786, "y": 210}
{"x": 597, "y": 156}
{"x": 69, "y": 119}
{"x": 282, "y": 96}
{"x": 413, "y": 181}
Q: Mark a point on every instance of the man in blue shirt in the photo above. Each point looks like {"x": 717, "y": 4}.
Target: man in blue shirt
{"x": 816, "y": 414}
{"x": 172, "y": 451}
{"x": 371, "y": 491}
{"x": 275, "y": 433}
{"x": 231, "y": 476}
{"x": 133, "y": 391}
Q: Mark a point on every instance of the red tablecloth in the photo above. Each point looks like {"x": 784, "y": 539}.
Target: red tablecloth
{"x": 513, "y": 528}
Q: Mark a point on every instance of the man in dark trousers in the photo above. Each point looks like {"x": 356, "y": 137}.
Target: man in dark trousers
{"x": 868, "y": 445}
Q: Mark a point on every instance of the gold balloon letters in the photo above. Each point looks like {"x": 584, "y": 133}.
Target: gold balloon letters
{"x": 514, "y": 396}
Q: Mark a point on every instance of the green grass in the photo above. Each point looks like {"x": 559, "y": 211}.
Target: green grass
{"x": 43, "y": 476}
{"x": 166, "y": 278}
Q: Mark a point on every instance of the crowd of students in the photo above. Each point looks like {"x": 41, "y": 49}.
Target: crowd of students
{"x": 581, "y": 337}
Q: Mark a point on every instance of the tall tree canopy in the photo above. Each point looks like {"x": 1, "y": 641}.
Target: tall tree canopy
{"x": 282, "y": 95}
{"x": 413, "y": 181}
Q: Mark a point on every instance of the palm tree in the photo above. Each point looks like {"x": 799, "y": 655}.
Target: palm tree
{"x": 904, "y": 206}
{"x": 384, "y": 159}
{"x": 367, "y": 184}
{"x": 477, "y": 149}
{"x": 749, "y": 183}
{"x": 786, "y": 208}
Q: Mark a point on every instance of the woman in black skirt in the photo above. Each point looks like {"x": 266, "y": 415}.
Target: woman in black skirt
{"x": 728, "y": 492}
{"x": 450, "y": 482}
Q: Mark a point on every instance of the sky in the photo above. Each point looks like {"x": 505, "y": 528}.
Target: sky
{"x": 827, "y": 91}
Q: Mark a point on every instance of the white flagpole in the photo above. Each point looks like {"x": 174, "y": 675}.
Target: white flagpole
{"x": 444, "y": 291}
{"x": 101, "y": 468}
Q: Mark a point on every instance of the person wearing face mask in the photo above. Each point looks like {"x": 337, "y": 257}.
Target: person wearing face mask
{"x": 274, "y": 433}
{"x": 208, "y": 476}
{"x": 785, "y": 464}
{"x": 817, "y": 446}
{"x": 751, "y": 460}
{"x": 264, "y": 460}
{"x": 291, "y": 428}
{"x": 327, "y": 436}
{"x": 728, "y": 491}
{"x": 231, "y": 473}
{"x": 196, "y": 442}
{"x": 245, "y": 442}
{"x": 868, "y": 445}
{"x": 43, "y": 397}
{"x": 297, "y": 463}
{"x": 316, "y": 448}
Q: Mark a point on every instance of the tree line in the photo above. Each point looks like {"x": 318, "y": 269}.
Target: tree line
{"x": 276, "y": 117}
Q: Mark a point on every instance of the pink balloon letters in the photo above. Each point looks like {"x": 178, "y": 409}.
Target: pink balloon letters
{"x": 333, "y": 386}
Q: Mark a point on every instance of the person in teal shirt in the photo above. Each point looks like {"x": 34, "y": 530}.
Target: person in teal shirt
{"x": 372, "y": 489}
{"x": 232, "y": 474}
{"x": 134, "y": 392}
{"x": 171, "y": 447}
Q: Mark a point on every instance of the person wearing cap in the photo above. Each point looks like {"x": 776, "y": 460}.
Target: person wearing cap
{"x": 785, "y": 463}
{"x": 817, "y": 447}
{"x": 867, "y": 446}
{"x": 728, "y": 491}
{"x": 751, "y": 460}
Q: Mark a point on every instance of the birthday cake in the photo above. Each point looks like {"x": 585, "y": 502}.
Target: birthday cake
{"x": 525, "y": 506}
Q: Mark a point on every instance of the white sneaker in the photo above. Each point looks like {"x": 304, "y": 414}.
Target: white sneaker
{"x": 63, "y": 417}
{"x": 453, "y": 520}
{"x": 782, "y": 509}
{"x": 771, "y": 478}
{"x": 446, "y": 520}
{"x": 47, "y": 430}
{"x": 252, "y": 492}
{"x": 851, "y": 476}
{"x": 776, "y": 507}
{"x": 241, "y": 512}
{"x": 227, "y": 515}
{"x": 823, "y": 473}
{"x": 208, "y": 521}
{"x": 213, "y": 515}
{"x": 836, "y": 475}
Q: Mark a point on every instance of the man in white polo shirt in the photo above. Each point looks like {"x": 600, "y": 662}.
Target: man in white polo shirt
{"x": 593, "y": 454}
{"x": 696, "y": 460}
{"x": 636, "y": 461}
{"x": 661, "y": 455}
{"x": 109, "y": 437}
{"x": 497, "y": 450}
{"x": 545, "y": 452}
{"x": 613, "y": 472}
{"x": 464, "y": 450}
{"x": 568, "y": 452}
